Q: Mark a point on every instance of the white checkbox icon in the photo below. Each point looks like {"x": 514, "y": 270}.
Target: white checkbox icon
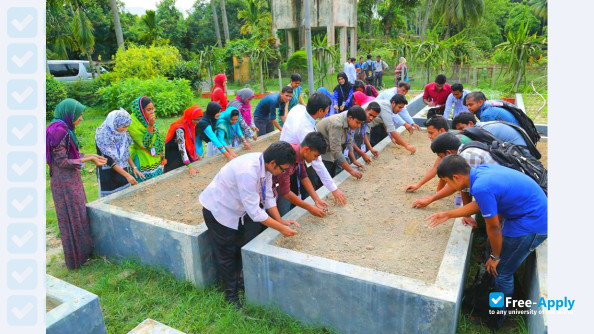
{"x": 21, "y": 61}
{"x": 20, "y": 97}
{"x": 22, "y": 205}
{"x": 20, "y": 134}
{"x": 20, "y": 170}
{"x": 21, "y": 313}
{"x": 22, "y": 240}
{"x": 21, "y": 277}
{"x": 21, "y": 25}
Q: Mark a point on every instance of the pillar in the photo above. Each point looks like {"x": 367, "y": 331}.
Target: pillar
{"x": 353, "y": 40}
{"x": 290, "y": 43}
{"x": 330, "y": 33}
{"x": 343, "y": 44}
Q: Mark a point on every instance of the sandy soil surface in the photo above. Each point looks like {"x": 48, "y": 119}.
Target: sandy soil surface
{"x": 50, "y": 304}
{"x": 543, "y": 149}
{"x": 378, "y": 228}
{"x": 177, "y": 198}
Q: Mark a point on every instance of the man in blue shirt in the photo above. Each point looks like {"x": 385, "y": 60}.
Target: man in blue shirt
{"x": 265, "y": 113}
{"x": 456, "y": 98}
{"x": 514, "y": 208}
{"x": 486, "y": 111}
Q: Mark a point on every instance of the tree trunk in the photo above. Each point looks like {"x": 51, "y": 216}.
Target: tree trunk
{"x": 262, "y": 90}
{"x": 117, "y": 24}
{"x": 520, "y": 74}
{"x": 225, "y": 22}
{"x": 215, "y": 18}
{"x": 427, "y": 13}
{"x": 91, "y": 64}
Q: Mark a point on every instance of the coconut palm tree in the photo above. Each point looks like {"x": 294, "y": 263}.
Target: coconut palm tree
{"x": 117, "y": 24}
{"x": 215, "y": 18}
{"x": 462, "y": 12}
{"x": 539, "y": 8}
{"x": 225, "y": 22}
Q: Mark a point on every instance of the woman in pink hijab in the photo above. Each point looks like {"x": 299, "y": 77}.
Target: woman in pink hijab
{"x": 361, "y": 98}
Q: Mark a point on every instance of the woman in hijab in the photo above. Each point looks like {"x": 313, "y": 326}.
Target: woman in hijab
{"x": 113, "y": 142}
{"x": 147, "y": 150}
{"x": 65, "y": 162}
{"x": 242, "y": 103}
{"x": 180, "y": 141}
{"x": 343, "y": 93}
{"x": 218, "y": 91}
{"x": 205, "y": 132}
{"x": 228, "y": 129}
{"x": 361, "y": 99}
{"x": 327, "y": 93}
{"x": 369, "y": 90}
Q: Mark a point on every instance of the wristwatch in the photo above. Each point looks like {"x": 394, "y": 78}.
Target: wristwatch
{"x": 495, "y": 258}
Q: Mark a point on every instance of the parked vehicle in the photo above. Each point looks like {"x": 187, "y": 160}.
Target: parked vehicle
{"x": 71, "y": 70}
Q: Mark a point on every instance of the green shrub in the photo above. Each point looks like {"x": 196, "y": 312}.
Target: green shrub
{"x": 189, "y": 70}
{"x": 170, "y": 97}
{"x": 85, "y": 91}
{"x": 297, "y": 61}
{"x": 54, "y": 94}
{"x": 146, "y": 62}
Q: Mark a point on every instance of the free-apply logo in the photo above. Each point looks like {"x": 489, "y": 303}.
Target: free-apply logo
{"x": 498, "y": 299}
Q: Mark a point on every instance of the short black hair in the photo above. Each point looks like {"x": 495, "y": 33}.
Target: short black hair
{"x": 440, "y": 79}
{"x": 315, "y": 141}
{"x": 476, "y": 96}
{"x": 368, "y": 56}
{"x": 353, "y": 59}
{"x": 359, "y": 85}
{"x": 234, "y": 112}
{"x": 438, "y": 122}
{"x": 316, "y": 102}
{"x": 452, "y": 164}
{"x": 281, "y": 152}
{"x": 398, "y": 99}
{"x": 360, "y": 57}
{"x": 358, "y": 113}
{"x": 404, "y": 84}
{"x": 464, "y": 118}
{"x": 374, "y": 106}
{"x": 287, "y": 89}
{"x": 378, "y": 56}
{"x": 296, "y": 77}
{"x": 457, "y": 87}
{"x": 444, "y": 142}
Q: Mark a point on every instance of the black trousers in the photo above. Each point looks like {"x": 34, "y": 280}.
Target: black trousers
{"x": 226, "y": 245}
{"x": 377, "y": 134}
{"x": 332, "y": 167}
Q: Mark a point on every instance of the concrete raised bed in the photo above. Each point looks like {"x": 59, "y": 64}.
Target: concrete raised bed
{"x": 150, "y": 326}
{"x": 182, "y": 249}
{"x": 535, "y": 281}
{"x": 77, "y": 309}
{"x": 354, "y": 299}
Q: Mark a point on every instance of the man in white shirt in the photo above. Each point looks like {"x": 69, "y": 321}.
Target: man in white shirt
{"x": 235, "y": 204}
{"x": 388, "y": 110}
{"x": 350, "y": 70}
{"x": 455, "y": 99}
{"x": 301, "y": 121}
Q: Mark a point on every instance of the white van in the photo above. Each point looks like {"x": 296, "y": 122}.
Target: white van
{"x": 71, "y": 70}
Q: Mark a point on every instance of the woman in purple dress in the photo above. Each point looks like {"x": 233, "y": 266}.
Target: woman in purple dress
{"x": 65, "y": 163}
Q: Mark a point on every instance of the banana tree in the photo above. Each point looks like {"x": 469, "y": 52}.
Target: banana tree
{"x": 262, "y": 53}
{"x": 327, "y": 56}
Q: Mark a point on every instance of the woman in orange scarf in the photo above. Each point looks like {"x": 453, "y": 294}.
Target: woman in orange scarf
{"x": 180, "y": 141}
{"x": 218, "y": 91}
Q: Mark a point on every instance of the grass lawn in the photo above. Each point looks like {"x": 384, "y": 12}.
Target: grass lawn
{"x": 129, "y": 292}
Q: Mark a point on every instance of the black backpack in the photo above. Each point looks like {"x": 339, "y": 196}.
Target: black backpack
{"x": 513, "y": 156}
{"x": 530, "y": 145}
{"x": 525, "y": 121}
{"x": 369, "y": 68}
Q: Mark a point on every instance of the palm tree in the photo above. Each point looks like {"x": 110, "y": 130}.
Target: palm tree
{"x": 151, "y": 34}
{"x": 254, "y": 17}
{"x": 215, "y": 18}
{"x": 117, "y": 24}
{"x": 225, "y": 22}
{"x": 426, "y": 19}
{"x": 459, "y": 11}
{"x": 539, "y": 8}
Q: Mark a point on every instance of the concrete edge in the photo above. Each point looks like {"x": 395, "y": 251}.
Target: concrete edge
{"x": 71, "y": 297}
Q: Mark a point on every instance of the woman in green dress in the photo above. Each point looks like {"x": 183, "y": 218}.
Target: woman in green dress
{"x": 147, "y": 150}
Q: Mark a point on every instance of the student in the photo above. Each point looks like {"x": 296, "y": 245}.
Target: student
{"x": 180, "y": 141}
{"x": 228, "y": 129}
{"x": 266, "y": 110}
{"x": 436, "y": 93}
{"x": 501, "y": 131}
{"x": 113, "y": 143}
{"x": 297, "y": 98}
{"x": 514, "y": 208}
{"x": 332, "y": 110}
{"x": 401, "y": 71}
{"x": 242, "y": 103}
{"x": 369, "y": 70}
{"x": 350, "y": 71}
{"x": 388, "y": 108}
{"x": 380, "y": 67}
{"x": 312, "y": 146}
{"x": 147, "y": 150}
{"x": 338, "y": 133}
{"x": 360, "y": 98}
{"x": 368, "y": 90}
{"x": 300, "y": 122}
{"x": 205, "y": 131}
{"x": 477, "y": 103}
{"x": 218, "y": 91}
{"x": 343, "y": 93}
{"x": 403, "y": 118}
{"x": 234, "y": 209}
{"x": 361, "y": 137}
{"x": 455, "y": 99}
{"x": 359, "y": 69}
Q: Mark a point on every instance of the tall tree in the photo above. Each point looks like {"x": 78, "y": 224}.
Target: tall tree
{"x": 117, "y": 24}
{"x": 459, "y": 12}
{"x": 539, "y": 8}
{"x": 225, "y": 22}
{"x": 216, "y": 23}
{"x": 426, "y": 19}
{"x": 171, "y": 22}
{"x": 151, "y": 28}
{"x": 256, "y": 19}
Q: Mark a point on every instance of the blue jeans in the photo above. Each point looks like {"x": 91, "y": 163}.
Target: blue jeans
{"x": 264, "y": 125}
{"x": 513, "y": 252}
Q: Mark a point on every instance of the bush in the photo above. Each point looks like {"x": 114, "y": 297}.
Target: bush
{"x": 170, "y": 97}
{"x": 189, "y": 70}
{"x": 297, "y": 61}
{"x": 85, "y": 91}
{"x": 54, "y": 94}
{"x": 145, "y": 63}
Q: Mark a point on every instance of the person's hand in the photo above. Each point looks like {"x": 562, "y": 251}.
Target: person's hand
{"x": 336, "y": 107}
{"x": 163, "y": 162}
{"x": 360, "y": 165}
{"x": 469, "y": 221}
{"x": 321, "y": 204}
{"x": 342, "y": 107}
{"x": 255, "y": 129}
{"x": 437, "y": 218}
{"x": 131, "y": 179}
{"x": 356, "y": 174}
{"x": 366, "y": 158}
{"x": 151, "y": 120}
{"x": 374, "y": 152}
{"x": 246, "y": 146}
{"x": 315, "y": 211}
{"x": 491, "y": 266}
{"x": 423, "y": 202}
{"x": 431, "y": 104}
{"x": 409, "y": 129}
{"x": 394, "y": 141}
{"x": 138, "y": 174}
{"x": 411, "y": 149}
{"x": 192, "y": 170}
{"x": 411, "y": 188}
{"x": 416, "y": 126}
{"x": 290, "y": 222}
{"x": 98, "y": 161}
{"x": 287, "y": 231}
{"x": 339, "y": 197}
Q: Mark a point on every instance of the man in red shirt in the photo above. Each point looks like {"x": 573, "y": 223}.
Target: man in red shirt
{"x": 436, "y": 93}
{"x": 295, "y": 179}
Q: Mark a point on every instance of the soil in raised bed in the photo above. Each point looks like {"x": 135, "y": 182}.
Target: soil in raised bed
{"x": 50, "y": 304}
{"x": 176, "y": 198}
